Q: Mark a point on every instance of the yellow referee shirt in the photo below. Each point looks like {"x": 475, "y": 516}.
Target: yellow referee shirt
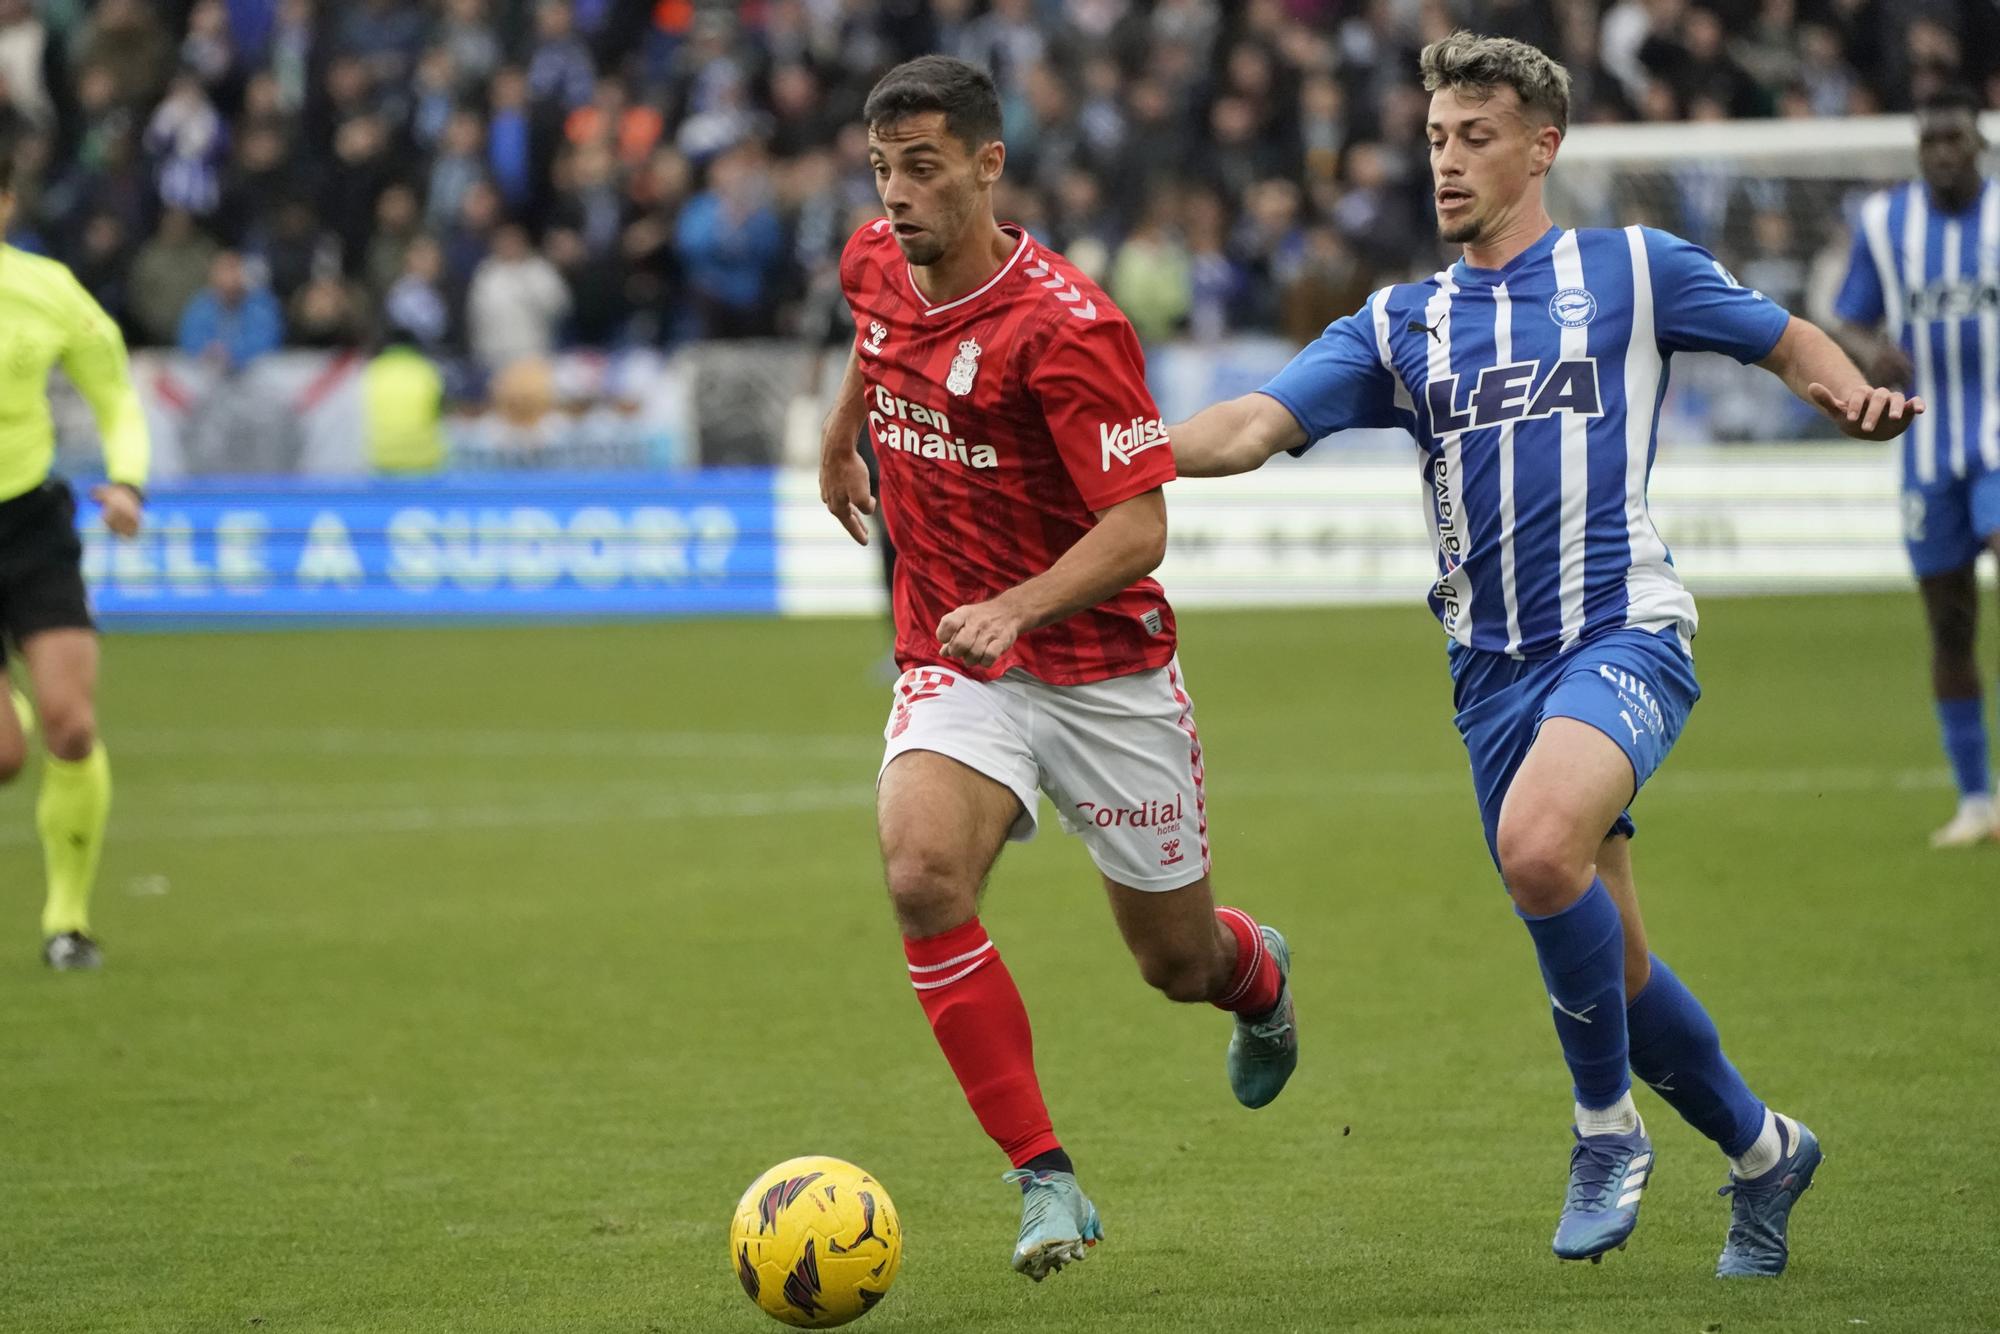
{"x": 46, "y": 317}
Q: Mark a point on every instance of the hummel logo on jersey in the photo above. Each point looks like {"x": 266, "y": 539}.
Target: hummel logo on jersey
{"x": 876, "y": 334}
{"x": 963, "y": 367}
{"x": 1515, "y": 392}
{"x": 1066, "y": 292}
{"x": 1124, "y": 443}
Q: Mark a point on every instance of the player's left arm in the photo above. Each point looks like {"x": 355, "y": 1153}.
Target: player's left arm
{"x": 1699, "y": 307}
{"x": 1813, "y": 366}
{"x": 1090, "y": 379}
{"x": 94, "y": 358}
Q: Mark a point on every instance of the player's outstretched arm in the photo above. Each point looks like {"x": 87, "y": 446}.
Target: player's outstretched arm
{"x": 95, "y": 361}
{"x": 1239, "y": 435}
{"x": 1128, "y": 543}
{"x": 1812, "y": 366}
{"x": 843, "y": 474}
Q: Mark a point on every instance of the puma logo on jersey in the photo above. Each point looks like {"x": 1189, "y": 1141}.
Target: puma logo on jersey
{"x": 1515, "y": 392}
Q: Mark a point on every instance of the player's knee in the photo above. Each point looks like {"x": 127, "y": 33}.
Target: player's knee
{"x": 1539, "y": 872}
{"x": 13, "y": 757}
{"x": 929, "y": 890}
{"x": 1954, "y": 630}
{"x": 69, "y": 730}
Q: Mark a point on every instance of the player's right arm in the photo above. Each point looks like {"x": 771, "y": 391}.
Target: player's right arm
{"x": 1239, "y": 435}
{"x": 1337, "y": 382}
{"x": 843, "y": 474}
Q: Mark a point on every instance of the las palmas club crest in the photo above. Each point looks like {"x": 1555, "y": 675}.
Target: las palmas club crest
{"x": 963, "y": 367}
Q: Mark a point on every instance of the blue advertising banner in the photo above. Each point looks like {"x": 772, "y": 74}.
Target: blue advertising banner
{"x": 520, "y": 545}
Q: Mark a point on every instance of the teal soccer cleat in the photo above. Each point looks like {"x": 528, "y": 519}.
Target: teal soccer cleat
{"x": 1058, "y": 1222}
{"x": 1264, "y": 1050}
{"x": 1761, "y": 1207}
{"x": 1607, "y": 1177}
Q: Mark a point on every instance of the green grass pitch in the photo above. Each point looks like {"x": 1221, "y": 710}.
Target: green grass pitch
{"x": 460, "y": 981}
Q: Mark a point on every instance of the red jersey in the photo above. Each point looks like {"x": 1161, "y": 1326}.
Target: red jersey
{"x": 1003, "y": 421}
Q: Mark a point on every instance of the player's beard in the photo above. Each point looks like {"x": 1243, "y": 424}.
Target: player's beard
{"x": 1462, "y": 232}
{"x": 938, "y": 235}
{"x": 924, "y": 250}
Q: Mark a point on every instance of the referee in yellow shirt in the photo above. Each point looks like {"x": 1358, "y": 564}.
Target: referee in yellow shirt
{"x": 46, "y": 317}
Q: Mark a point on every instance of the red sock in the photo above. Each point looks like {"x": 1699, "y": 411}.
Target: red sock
{"x": 1254, "y": 982}
{"x": 976, "y": 1012}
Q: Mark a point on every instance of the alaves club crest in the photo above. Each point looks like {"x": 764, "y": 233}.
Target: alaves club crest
{"x": 963, "y": 367}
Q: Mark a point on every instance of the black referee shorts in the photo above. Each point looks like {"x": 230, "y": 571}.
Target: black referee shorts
{"x": 41, "y": 565}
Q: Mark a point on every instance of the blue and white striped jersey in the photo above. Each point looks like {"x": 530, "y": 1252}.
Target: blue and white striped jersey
{"x": 1933, "y": 279}
{"x": 1534, "y": 394}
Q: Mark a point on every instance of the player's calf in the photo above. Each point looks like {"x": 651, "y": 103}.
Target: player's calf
{"x": 17, "y": 724}
{"x": 1185, "y": 973}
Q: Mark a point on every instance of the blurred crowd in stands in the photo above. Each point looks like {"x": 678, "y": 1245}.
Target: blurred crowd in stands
{"x": 498, "y": 178}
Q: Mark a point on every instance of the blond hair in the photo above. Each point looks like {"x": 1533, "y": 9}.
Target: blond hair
{"x": 1468, "y": 63}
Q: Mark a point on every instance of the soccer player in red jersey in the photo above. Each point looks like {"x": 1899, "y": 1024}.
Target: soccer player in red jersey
{"x": 1022, "y": 460}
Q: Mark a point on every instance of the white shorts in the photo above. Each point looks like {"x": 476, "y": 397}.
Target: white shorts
{"x": 1120, "y": 759}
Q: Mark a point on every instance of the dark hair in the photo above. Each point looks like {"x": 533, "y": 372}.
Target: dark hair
{"x": 963, "y": 92}
{"x": 1948, "y": 98}
{"x": 7, "y": 150}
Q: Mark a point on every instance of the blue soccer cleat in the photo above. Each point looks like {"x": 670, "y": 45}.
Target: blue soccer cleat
{"x": 1263, "y": 1051}
{"x": 1058, "y": 1222}
{"x": 1760, "y": 1208}
{"x": 1607, "y": 1178}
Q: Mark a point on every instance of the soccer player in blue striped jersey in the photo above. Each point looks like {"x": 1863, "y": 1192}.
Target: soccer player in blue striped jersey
{"x": 1530, "y": 373}
{"x": 1926, "y": 267}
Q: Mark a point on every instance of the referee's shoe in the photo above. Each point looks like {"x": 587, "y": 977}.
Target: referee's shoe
{"x": 71, "y": 952}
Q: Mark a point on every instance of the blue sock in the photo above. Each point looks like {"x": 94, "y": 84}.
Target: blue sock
{"x": 1677, "y": 1051}
{"x": 1963, "y": 723}
{"x": 1582, "y": 953}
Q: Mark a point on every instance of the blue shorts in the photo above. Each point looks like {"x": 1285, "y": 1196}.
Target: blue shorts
{"x": 1635, "y": 686}
{"x": 1947, "y": 524}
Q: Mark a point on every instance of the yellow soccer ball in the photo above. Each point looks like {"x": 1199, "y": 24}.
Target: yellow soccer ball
{"x": 815, "y": 1242}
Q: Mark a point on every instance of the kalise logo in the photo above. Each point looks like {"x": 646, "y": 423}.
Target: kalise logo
{"x": 1124, "y": 442}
